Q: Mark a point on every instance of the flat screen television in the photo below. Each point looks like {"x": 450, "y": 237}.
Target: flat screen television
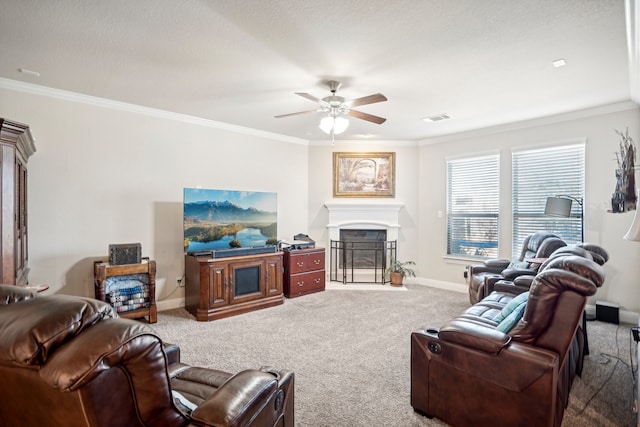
{"x": 224, "y": 219}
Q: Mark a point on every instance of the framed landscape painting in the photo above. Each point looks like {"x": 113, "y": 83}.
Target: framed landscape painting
{"x": 363, "y": 174}
{"x": 223, "y": 219}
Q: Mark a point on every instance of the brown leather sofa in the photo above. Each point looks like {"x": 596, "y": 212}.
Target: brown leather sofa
{"x": 473, "y": 371}
{"x": 483, "y": 276}
{"x": 71, "y": 361}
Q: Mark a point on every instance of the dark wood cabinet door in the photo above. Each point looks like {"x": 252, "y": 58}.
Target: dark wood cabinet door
{"x": 274, "y": 276}
{"x": 16, "y": 146}
{"x": 218, "y": 294}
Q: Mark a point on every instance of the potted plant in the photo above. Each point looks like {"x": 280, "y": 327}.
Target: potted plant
{"x": 397, "y": 270}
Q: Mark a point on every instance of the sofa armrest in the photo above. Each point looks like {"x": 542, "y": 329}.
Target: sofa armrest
{"x": 490, "y": 266}
{"x": 123, "y": 343}
{"x": 239, "y": 400}
{"x": 519, "y": 285}
{"x": 286, "y": 383}
{"x": 512, "y": 273}
{"x": 474, "y": 335}
{"x": 497, "y": 263}
{"x": 516, "y": 367}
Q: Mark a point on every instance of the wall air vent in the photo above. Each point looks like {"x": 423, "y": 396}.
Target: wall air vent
{"x": 437, "y": 118}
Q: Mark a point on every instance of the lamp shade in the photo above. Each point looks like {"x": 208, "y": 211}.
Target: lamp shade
{"x": 558, "y": 206}
{"x": 634, "y": 230}
{"x": 326, "y": 124}
{"x": 340, "y": 125}
{"x": 337, "y": 124}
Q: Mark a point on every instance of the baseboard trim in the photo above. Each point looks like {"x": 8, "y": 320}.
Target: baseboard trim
{"x": 440, "y": 284}
{"x": 170, "y": 304}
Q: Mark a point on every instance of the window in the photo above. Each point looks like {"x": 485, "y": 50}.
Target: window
{"x": 538, "y": 174}
{"x": 472, "y": 206}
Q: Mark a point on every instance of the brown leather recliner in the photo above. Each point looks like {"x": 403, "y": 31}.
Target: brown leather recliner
{"x": 482, "y": 277}
{"x": 470, "y": 372}
{"x": 522, "y": 283}
{"x": 70, "y": 361}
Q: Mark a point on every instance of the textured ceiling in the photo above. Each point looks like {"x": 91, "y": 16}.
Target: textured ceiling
{"x": 483, "y": 63}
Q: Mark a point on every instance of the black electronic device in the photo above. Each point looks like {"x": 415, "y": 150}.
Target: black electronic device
{"x": 300, "y": 241}
{"x": 607, "y": 312}
{"x": 225, "y": 253}
{"x": 125, "y": 253}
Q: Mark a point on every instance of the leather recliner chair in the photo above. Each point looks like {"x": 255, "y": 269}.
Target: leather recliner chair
{"x": 471, "y": 372}
{"x": 71, "y": 361}
{"x": 483, "y": 277}
{"x": 523, "y": 283}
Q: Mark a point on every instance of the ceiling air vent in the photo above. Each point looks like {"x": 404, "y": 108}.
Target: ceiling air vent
{"x": 437, "y": 118}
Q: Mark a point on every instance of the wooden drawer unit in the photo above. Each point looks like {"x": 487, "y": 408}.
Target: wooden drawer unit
{"x": 303, "y": 272}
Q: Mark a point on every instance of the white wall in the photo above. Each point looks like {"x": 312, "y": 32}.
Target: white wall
{"x": 606, "y": 229}
{"x": 102, "y": 175}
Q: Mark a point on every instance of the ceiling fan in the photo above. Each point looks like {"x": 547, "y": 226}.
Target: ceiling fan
{"x": 337, "y": 106}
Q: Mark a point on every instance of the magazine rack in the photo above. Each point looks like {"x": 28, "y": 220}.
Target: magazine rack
{"x": 129, "y": 288}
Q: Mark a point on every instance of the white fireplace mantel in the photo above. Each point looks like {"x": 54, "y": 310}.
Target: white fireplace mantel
{"x": 372, "y": 215}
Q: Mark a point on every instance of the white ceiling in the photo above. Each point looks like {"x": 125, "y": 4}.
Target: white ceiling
{"x": 483, "y": 63}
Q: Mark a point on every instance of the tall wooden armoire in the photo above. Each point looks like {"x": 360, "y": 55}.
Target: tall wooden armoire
{"x": 16, "y": 146}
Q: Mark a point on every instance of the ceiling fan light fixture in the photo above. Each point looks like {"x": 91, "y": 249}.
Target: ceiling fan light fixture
{"x": 326, "y": 124}
{"x": 335, "y": 124}
{"x": 340, "y": 125}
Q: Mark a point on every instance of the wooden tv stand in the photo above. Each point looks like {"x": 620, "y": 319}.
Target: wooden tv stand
{"x": 221, "y": 287}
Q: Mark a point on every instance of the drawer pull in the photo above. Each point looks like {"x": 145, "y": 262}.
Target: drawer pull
{"x": 300, "y": 263}
{"x": 300, "y": 284}
{"x": 316, "y": 280}
{"x": 316, "y": 261}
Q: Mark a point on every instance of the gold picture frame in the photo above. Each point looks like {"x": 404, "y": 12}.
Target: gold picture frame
{"x": 364, "y": 174}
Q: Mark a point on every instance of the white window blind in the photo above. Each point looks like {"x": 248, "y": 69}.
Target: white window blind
{"x": 472, "y": 206}
{"x": 538, "y": 174}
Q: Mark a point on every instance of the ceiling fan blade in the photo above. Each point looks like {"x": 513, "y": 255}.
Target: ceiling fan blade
{"x": 295, "y": 114}
{"x": 366, "y": 116}
{"x": 309, "y": 97}
{"x": 371, "y": 99}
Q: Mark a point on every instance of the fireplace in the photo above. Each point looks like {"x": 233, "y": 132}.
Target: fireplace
{"x": 362, "y": 239}
{"x": 363, "y": 248}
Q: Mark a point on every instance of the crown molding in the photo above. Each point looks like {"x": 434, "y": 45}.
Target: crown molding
{"x": 541, "y": 121}
{"x": 95, "y": 101}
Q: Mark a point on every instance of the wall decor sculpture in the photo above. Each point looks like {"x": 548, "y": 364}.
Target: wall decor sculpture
{"x": 624, "y": 197}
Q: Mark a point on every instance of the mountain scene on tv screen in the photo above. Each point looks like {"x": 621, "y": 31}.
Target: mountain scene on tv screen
{"x": 211, "y": 225}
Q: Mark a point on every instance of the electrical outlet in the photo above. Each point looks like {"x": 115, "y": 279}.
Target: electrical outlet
{"x": 179, "y": 281}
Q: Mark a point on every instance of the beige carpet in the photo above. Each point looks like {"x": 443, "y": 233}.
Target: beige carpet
{"x": 350, "y": 351}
